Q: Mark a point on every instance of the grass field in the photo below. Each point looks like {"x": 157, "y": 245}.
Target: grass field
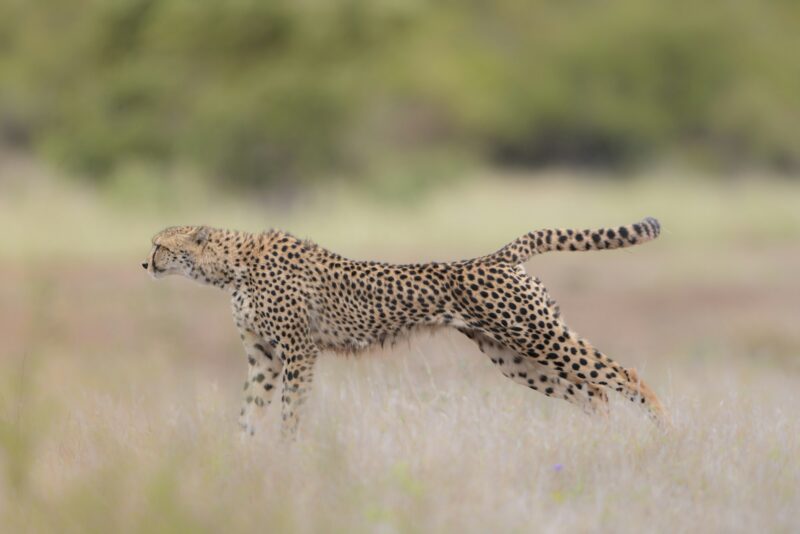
{"x": 119, "y": 395}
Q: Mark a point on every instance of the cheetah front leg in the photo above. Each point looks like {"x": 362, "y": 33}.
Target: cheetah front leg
{"x": 264, "y": 367}
{"x": 298, "y": 375}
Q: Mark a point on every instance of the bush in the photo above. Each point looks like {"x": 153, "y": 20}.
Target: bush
{"x": 262, "y": 93}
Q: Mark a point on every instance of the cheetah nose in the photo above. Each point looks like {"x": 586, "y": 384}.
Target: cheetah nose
{"x": 144, "y": 265}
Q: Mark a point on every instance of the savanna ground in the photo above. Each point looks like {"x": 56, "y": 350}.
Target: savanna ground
{"x": 119, "y": 395}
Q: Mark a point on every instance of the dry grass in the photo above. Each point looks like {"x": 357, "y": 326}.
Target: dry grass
{"x": 394, "y": 446}
{"x": 118, "y": 396}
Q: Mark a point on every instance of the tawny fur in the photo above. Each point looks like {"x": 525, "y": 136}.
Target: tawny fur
{"x": 291, "y": 299}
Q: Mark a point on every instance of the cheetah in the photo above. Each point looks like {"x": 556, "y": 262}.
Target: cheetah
{"x": 292, "y": 299}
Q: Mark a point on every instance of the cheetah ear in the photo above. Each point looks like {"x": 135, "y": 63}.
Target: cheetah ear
{"x": 200, "y": 236}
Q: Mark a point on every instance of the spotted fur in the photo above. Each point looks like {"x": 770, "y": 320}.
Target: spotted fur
{"x": 291, "y": 299}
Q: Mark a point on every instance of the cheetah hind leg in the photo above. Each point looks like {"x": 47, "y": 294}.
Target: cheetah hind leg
{"x": 600, "y": 370}
{"x": 585, "y": 363}
{"x": 527, "y": 372}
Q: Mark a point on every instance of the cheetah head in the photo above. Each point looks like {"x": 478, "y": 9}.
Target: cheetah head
{"x": 177, "y": 250}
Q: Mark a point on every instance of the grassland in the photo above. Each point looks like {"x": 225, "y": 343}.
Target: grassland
{"x": 118, "y": 395}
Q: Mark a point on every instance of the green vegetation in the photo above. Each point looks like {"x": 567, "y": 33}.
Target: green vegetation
{"x": 254, "y": 93}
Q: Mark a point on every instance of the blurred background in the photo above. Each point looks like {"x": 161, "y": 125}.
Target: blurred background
{"x": 399, "y": 130}
{"x": 285, "y": 94}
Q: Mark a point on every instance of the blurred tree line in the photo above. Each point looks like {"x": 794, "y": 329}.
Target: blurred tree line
{"x": 265, "y": 91}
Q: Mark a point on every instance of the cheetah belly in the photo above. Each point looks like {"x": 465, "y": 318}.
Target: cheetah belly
{"x": 354, "y": 334}
{"x": 327, "y": 333}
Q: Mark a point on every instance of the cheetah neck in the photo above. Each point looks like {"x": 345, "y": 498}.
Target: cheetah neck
{"x": 225, "y": 259}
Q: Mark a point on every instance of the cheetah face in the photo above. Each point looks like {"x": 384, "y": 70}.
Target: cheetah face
{"x": 176, "y": 250}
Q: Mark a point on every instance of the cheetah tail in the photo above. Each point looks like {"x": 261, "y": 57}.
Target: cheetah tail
{"x": 539, "y": 241}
